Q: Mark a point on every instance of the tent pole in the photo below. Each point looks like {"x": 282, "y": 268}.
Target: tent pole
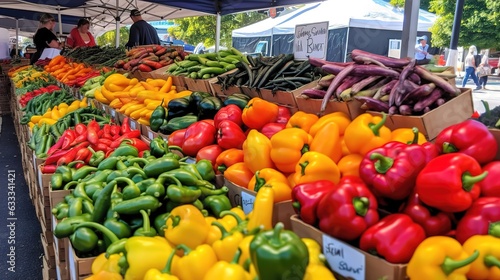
{"x": 117, "y": 20}
{"x": 217, "y": 32}
{"x": 410, "y": 26}
{"x": 17, "y": 37}
{"x": 60, "y": 19}
{"x": 452, "y": 55}
{"x": 347, "y": 41}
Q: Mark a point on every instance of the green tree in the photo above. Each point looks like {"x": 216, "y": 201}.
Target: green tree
{"x": 479, "y": 25}
{"x": 108, "y": 38}
{"x": 194, "y": 30}
{"x": 424, "y": 4}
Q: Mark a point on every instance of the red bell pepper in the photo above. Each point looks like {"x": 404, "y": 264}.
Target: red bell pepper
{"x": 432, "y": 221}
{"x": 348, "y": 210}
{"x": 71, "y": 153}
{"x": 177, "y": 137}
{"x": 230, "y": 135}
{"x": 394, "y": 238}
{"x": 115, "y": 129}
{"x": 272, "y": 128}
{"x": 198, "y": 135}
{"x": 210, "y": 153}
{"x": 469, "y": 137}
{"x": 391, "y": 170}
{"x": 230, "y": 112}
{"x": 284, "y": 115}
{"x": 490, "y": 186}
{"x": 449, "y": 182}
{"x": 306, "y": 197}
{"x": 482, "y": 218}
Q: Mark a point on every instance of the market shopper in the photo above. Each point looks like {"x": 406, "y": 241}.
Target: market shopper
{"x": 80, "y": 36}
{"x": 470, "y": 67}
{"x": 141, "y": 32}
{"x": 484, "y": 69}
{"x": 45, "y": 37}
{"x": 422, "y": 55}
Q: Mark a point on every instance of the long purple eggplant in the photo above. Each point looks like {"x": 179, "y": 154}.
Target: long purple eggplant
{"x": 318, "y": 62}
{"x": 335, "y": 83}
{"x": 440, "y": 82}
{"x": 362, "y": 70}
{"x": 428, "y": 100}
{"x": 364, "y": 83}
{"x": 361, "y": 59}
{"x": 325, "y": 81}
{"x": 387, "y": 61}
{"x": 314, "y": 93}
{"x": 373, "y": 104}
{"x": 405, "y": 110}
{"x": 347, "y": 83}
{"x": 418, "y": 93}
{"x": 408, "y": 70}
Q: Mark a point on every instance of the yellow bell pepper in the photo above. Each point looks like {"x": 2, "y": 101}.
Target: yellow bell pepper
{"x": 105, "y": 275}
{"x": 35, "y": 118}
{"x": 84, "y": 102}
{"x": 55, "y": 113}
{"x": 274, "y": 179}
{"x": 440, "y": 257}
{"x": 244, "y": 247}
{"x": 341, "y": 119}
{"x": 228, "y": 244}
{"x": 186, "y": 225}
{"x": 228, "y": 270}
{"x": 315, "y": 255}
{"x": 214, "y": 232}
{"x": 110, "y": 264}
{"x": 314, "y": 166}
{"x": 487, "y": 265}
{"x": 287, "y": 146}
{"x": 232, "y": 218}
{"x": 165, "y": 274}
{"x": 327, "y": 141}
{"x": 257, "y": 151}
{"x": 365, "y": 133}
{"x": 262, "y": 213}
{"x": 302, "y": 120}
{"x": 144, "y": 253}
{"x": 195, "y": 263}
{"x": 314, "y": 272}
{"x": 407, "y": 135}
{"x": 349, "y": 165}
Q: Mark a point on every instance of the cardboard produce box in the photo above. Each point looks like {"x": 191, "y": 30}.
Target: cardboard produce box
{"x": 239, "y": 196}
{"x": 78, "y": 267}
{"x": 286, "y": 98}
{"x": 347, "y": 261}
{"x": 432, "y": 123}
{"x": 199, "y": 84}
{"x": 496, "y": 134}
{"x": 162, "y": 73}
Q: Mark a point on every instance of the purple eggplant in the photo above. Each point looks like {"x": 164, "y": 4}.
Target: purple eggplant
{"x": 373, "y": 104}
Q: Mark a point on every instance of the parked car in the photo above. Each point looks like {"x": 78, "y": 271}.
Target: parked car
{"x": 493, "y": 61}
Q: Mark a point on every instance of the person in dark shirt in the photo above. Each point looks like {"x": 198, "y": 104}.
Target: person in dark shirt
{"x": 45, "y": 37}
{"x": 141, "y": 32}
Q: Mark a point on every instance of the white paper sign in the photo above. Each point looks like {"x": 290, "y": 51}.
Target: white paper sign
{"x": 343, "y": 259}
{"x": 310, "y": 40}
{"x": 113, "y": 113}
{"x": 133, "y": 125}
{"x": 247, "y": 201}
{"x": 150, "y": 135}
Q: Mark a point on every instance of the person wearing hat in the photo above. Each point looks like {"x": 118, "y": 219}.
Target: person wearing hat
{"x": 421, "y": 51}
{"x": 141, "y": 32}
{"x": 45, "y": 37}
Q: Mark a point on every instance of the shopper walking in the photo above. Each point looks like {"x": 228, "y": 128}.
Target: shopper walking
{"x": 470, "y": 67}
{"x": 484, "y": 69}
{"x": 141, "y": 32}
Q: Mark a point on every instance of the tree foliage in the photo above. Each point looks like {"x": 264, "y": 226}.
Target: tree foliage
{"x": 194, "y": 30}
{"x": 424, "y": 4}
{"x": 108, "y": 38}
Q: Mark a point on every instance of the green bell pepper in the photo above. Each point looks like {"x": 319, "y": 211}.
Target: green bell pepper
{"x": 157, "y": 117}
{"x": 238, "y": 99}
{"x": 208, "y": 107}
{"x": 97, "y": 157}
{"x": 217, "y": 203}
{"x": 158, "y": 147}
{"x": 146, "y": 229}
{"x": 179, "y": 123}
{"x": 206, "y": 169}
{"x": 274, "y": 252}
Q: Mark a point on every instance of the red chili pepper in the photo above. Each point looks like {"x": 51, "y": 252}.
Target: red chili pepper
{"x": 79, "y": 164}
{"x": 106, "y": 128}
{"x": 348, "y": 210}
{"x": 105, "y": 141}
{"x": 392, "y": 169}
{"x": 490, "y": 186}
{"x": 306, "y": 197}
{"x": 450, "y": 182}
{"x": 230, "y": 112}
{"x": 82, "y": 154}
{"x": 55, "y": 156}
{"x": 482, "y": 218}
{"x": 79, "y": 139}
{"x": 469, "y": 137}
{"x": 433, "y": 222}
{"x": 198, "y": 135}
{"x": 58, "y": 144}
{"x": 284, "y": 115}
{"x": 71, "y": 153}
{"x": 177, "y": 137}
{"x": 271, "y": 128}
{"x": 128, "y": 135}
{"x": 230, "y": 135}
{"x": 68, "y": 139}
{"x": 125, "y": 127}
{"x": 80, "y": 128}
{"x": 48, "y": 168}
{"x": 210, "y": 152}
{"x": 138, "y": 144}
{"x": 394, "y": 238}
{"x": 115, "y": 129}
{"x": 92, "y": 135}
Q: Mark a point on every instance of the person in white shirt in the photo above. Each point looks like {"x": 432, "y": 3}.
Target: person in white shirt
{"x": 421, "y": 51}
{"x": 470, "y": 68}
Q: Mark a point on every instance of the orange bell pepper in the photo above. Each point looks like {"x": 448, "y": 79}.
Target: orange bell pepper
{"x": 302, "y": 120}
{"x": 341, "y": 119}
{"x": 349, "y": 165}
{"x": 407, "y": 135}
{"x": 266, "y": 176}
{"x": 345, "y": 150}
{"x": 259, "y": 112}
{"x": 327, "y": 141}
{"x": 288, "y": 145}
{"x": 238, "y": 174}
{"x": 366, "y": 132}
{"x": 228, "y": 158}
{"x": 257, "y": 151}
{"x": 314, "y": 166}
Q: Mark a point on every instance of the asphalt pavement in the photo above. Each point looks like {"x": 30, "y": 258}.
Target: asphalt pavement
{"x": 491, "y": 94}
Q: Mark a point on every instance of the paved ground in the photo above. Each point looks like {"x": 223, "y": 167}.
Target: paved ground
{"x": 491, "y": 94}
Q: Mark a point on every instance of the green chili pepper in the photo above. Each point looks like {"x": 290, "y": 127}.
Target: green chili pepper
{"x": 108, "y": 163}
{"x": 56, "y": 181}
{"x": 99, "y": 177}
{"x": 63, "y": 212}
{"x": 131, "y": 161}
{"x": 120, "y": 165}
{"x": 88, "y": 207}
{"x": 116, "y": 247}
{"x": 130, "y": 190}
{"x": 84, "y": 240}
{"x": 79, "y": 191}
{"x": 206, "y": 169}
{"x": 160, "y": 223}
{"x": 187, "y": 178}
{"x": 109, "y": 236}
{"x": 76, "y": 207}
{"x": 125, "y": 150}
{"x": 66, "y": 227}
{"x": 209, "y": 192}
{"x": 181, "y": 194}
{"x": 146, "y": 229}
{"x": 96, "y": 158}
{"x": 159, "y": 147}
{"x": 156, "y": 189}
{"x": 66, "y": 172}
{"x": 191, "y": 167}
{"x": 103, "y": 202}
{"x": 217, "y": 203}
{"x": 134, "y": 205}
{"x": 156, "y": 167}
{"x": 90, "y": 189}
{"x": 118, "y": 227}
{"x": 144, "y": 184}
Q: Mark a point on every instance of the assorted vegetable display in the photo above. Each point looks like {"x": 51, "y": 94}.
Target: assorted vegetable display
{"x": 155, "y": 201}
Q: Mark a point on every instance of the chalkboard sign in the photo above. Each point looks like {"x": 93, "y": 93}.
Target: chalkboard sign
{"x": 310, "y": 40}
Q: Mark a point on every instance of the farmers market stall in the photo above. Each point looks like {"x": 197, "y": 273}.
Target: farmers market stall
{"x": 157, "y": 163}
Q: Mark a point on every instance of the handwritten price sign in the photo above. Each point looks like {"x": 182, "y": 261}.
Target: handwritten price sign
{"x": 343, "y": 259}
{"x": 310, "y": 40}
